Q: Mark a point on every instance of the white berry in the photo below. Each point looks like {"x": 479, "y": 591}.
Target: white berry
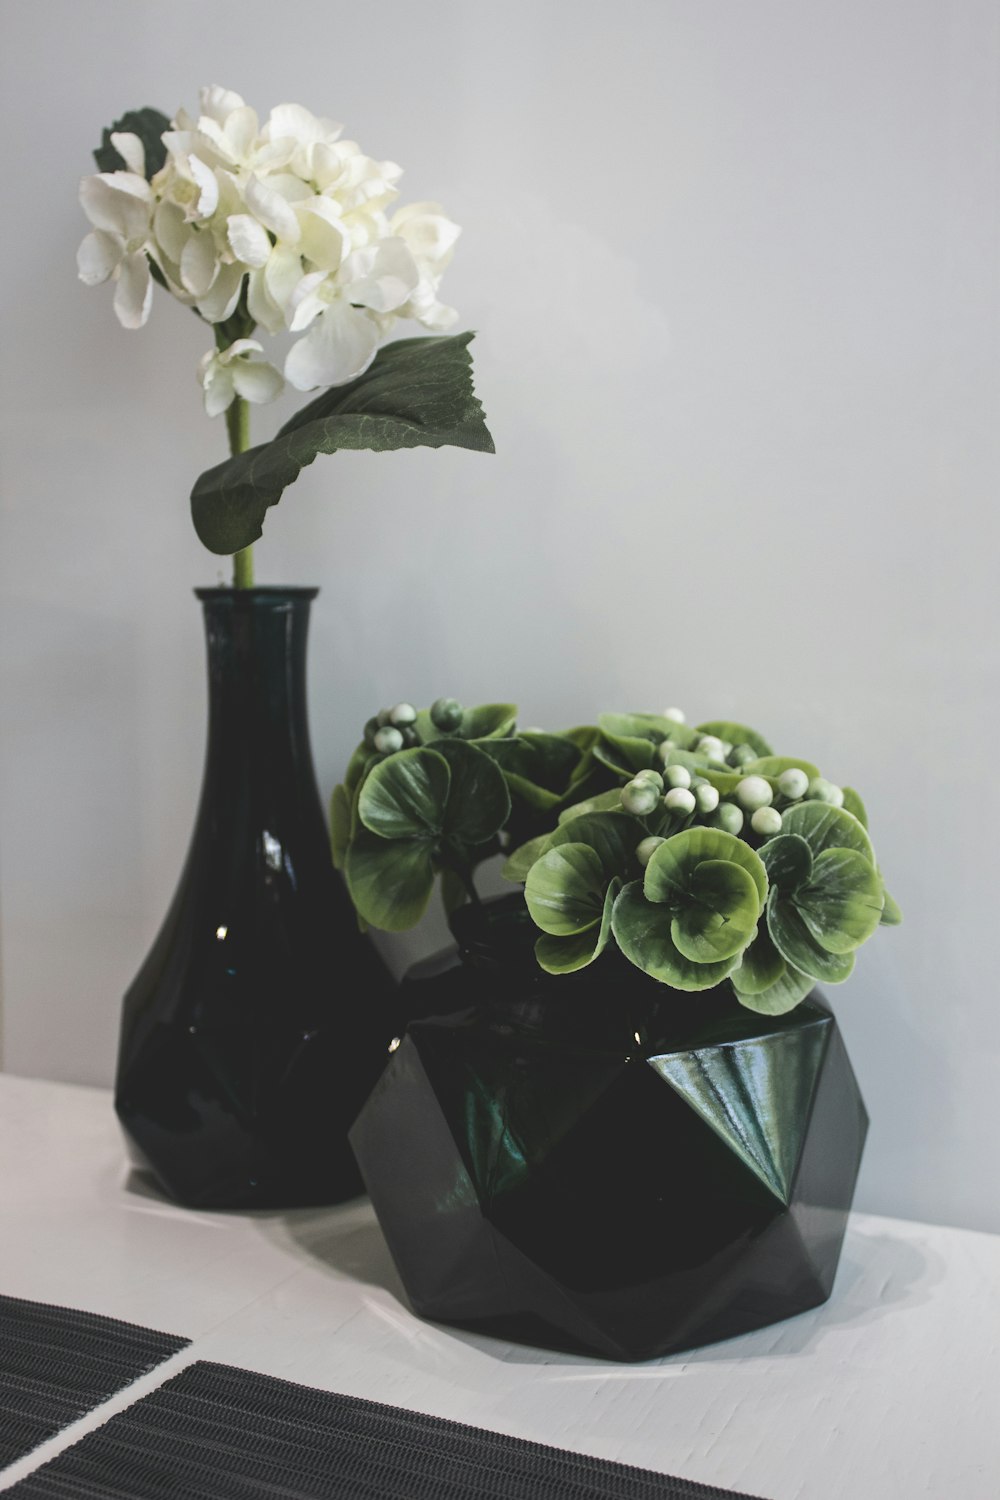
{"x": 712, "y": 746}
{"x": 645, "y": 851}
{"x": 793, "y": 783}
{"x": 766, "y": 821}
{"x": 677, "y": 714}
{"x": 679, "y": 800}
{"x": 402, "y": 714}
{"x": 388, "y": 739}
{"x": 821, "y": 790}
{"x": 677, "y": 776}
{"x": 651, "y": 776}
{"x": 753, "y": 792}
{"x": 728, "y": 817}
{"x": 706, "y": 797}
{"x": 640, "y": 796}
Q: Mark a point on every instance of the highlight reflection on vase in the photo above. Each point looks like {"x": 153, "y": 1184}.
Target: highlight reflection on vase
{"x": 259, "y": 1021}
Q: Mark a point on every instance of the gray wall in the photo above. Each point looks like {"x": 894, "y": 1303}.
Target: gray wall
{"x": 734, "y": 268}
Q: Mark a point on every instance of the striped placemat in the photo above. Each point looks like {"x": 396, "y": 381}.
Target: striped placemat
{"x": 214, "y": 1432}
{"x": 57, "y": 1364}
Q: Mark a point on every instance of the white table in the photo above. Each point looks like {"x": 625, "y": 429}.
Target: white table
{"x": 890, "y": 1390}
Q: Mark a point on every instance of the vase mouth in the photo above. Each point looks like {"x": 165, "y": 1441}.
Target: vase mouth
{"x": 266, "y": 593}
{"x": 496, "y": 931}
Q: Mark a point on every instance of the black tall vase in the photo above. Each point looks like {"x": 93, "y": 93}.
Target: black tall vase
{"x": 259, "y": 1021}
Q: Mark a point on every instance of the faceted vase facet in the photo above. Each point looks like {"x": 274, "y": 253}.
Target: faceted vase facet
{"x": 259, "y": 1020}
{"x": 595, "y": 1162}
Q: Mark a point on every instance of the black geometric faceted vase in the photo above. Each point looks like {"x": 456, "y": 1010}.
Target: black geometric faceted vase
{"x": 597, "y": 1163}
{"x": 259, "y": 1021}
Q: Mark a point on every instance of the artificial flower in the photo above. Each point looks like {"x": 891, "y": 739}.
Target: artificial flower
{"x": 228, "y": 373}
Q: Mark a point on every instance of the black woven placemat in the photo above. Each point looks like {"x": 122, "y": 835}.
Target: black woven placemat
{"x": 214, "y": 1432}
{"x": 57, "y": 1364}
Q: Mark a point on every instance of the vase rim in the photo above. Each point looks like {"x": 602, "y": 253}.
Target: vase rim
{"x": 259, "y": 592}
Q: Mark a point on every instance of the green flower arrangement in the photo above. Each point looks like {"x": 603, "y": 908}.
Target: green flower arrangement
{"x": 703, "y": 855}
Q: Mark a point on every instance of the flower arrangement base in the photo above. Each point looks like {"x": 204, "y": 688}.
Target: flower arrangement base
{"x": 577, "y": 1163}
{"x": 260, "y": 1019}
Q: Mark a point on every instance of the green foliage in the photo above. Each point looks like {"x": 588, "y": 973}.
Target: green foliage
{"x": 417, "y": 393}
{"x": 148, "y": 125}
{"x": 701, "y": 905}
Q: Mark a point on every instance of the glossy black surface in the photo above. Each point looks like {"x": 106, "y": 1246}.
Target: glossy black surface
{"x": 259, "y": 1021}
{"x": 594, "y": 1162}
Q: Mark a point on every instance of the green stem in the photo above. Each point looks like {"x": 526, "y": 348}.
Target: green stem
{"x": 238, "y": 427}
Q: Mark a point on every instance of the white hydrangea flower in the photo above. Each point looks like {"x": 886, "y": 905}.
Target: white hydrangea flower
{"x": 288, "y": 222}
{"x": 227, "y": 373}
{"x": 120, "y": 206}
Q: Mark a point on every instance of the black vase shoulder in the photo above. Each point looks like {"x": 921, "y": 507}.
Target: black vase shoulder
{"x": 596, "y": 1162}
{"x": 259, "y": 1021}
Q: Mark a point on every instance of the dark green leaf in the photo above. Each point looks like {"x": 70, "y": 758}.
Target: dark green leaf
{"x": 612, "y": 835}
{"x": 824, "y": 826}
{"x": 390, "y": 880}
{"x": 783, "y": 995}
{"x": 799, "y": 948}
{"x": 854, "y": 805}
{"x": 417, "y": 393}
{"x": 565, "y": 890}
{"x": 148, "y": 125}
{"x": 478, "y": 800}
{"x": 405, "y": 796}
{"x": 841, "y": 904}
{"x": 604, "y": 802}
{"x": 564, "y": 955}
{"x": 788, "y": 861}
{"x": 642, "y": 931}
{"x": 772, "y": 766}
{"x": 891, "y": 914}
{"x": 670, "y": 872}
{"x": 520, "y": 862}
{"x": 761, "y": 965}
{"x": 722, "y": 916}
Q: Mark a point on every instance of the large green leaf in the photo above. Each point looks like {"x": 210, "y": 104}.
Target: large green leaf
{"x": 564, "y": 955}
{"x": 610, "y": 801}
{"x": 669, "y": 871}
{"x": 417, "y": 393}
{"x": 612, "y": 835}
{"x": 651, "y": 727}
{"x": 761, "y": 965}
{"x": 841, "y": 903}
{"x": 722, "y": 916}
{"x": 788, "y": 861}
{"x": 565, "y": 890}
{"x": 891, "y": 914}
{"x": 390, "y": 880}
{"x": 406, "y": 795}
{"x": 520, "y": 862}
{"x": 642, "y": 931}
{"x": 783, "y": 995}
{"x": 799, "y": 948}
{"x": 824, "y": 826}
{"x": 478, "y": 800}
{"x": 148, "y": 125}
{"x": 854, "y": 805}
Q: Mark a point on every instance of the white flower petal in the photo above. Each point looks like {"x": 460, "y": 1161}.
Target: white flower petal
{"x": 220, "y": 303}
{"x": 294, "y": 120}
{"x": 306, "y": 301}
{"x": 131, "y": 150}
{"x": 430, "y": 234}
{"x": 248, "y": 240}
{"x": 98, "y": 256}
{"x": 271, "y": 210}
{"x": 219, "y": 389}
{"x": 256, "y": 381}
{"x": 112, "y": 201}
{"x": 134, "y": 291}
{"x": 208, "y": 189}
{"x": 238, "y": 347}
{"x": 339, "y": 346}
{"x": 170, "y": 230}
{"x": 381, "y": 276}
{"x": 199, "y": 265}
{"x": 324, "y": 239}
{"x": 282, "y": 275}
{"x": 218, "y": 103}
{"x": 241, "y": 131}
{"x": 261, "y": 305}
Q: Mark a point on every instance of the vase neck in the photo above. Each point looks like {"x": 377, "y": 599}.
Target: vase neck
{"x": 257, "y": 715}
